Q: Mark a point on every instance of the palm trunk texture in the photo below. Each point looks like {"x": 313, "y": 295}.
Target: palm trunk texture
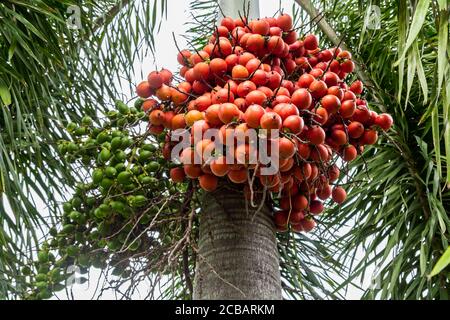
{"x": 237, "y": 255}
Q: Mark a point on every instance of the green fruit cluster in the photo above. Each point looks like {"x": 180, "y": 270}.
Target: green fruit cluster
{"x": 106, "y": 218}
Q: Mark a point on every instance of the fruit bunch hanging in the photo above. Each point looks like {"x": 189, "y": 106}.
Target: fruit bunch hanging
{"x": 262, "y": 74}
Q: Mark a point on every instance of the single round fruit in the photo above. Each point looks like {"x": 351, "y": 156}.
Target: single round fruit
{"x": 316, "y": 135}
{"x": 384, "y": 121}
{"x": 192, "y": 116}
{"x": 208, "y": 182}
{"x": 286, "y": 148}
{"x": 238, "y": 176}
{"x": 271, "y": 120}
{"x": 302, "y": 99}
{"x": 219, "y": 167}
{"x": 144, "y": 90}
{"x": 300, "y": 202}
{"x": 155, "y": 80}
{"x": 253, "y": 115}
{"x": 339, "y": 195}
{"x": 331, "y": 103}
{"x": 228, "y": 112}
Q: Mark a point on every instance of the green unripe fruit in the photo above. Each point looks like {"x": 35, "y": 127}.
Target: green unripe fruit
{"x": 149, "y": 147}
{"x": 136, "y": 170}
{"x": 120, "y": 156}
{"x": 126, "y": 214}
{"x": 73, "y": 251}
{"x": 72, "y": 147}
{"x": 86, "y": 120}
{"x": 133, "y": 110}
{"x": 105, "y": 154}
{"x": 62, "y": 242}
{"x": 144, "y": 155}
{"x": 97, "y": 176}
{"x": 80, "y": 131}
{"x": 122, "y": 107}
{"x": 116, "y": 143}
{"x": 116, "y": 133}
{"x": 122, "y": 122}
{"x": 104, "y": 211}
{"x": 44, "y": 294}
{"x": 126, "y": 142}
{"x": 144, "y": 179}
{"x": 43, "y": 256}
{"x": 106, "y": 183}
{"x": 113, "y": 245}
{"x": 118, "y": 206}
{"x": 58, "y": 287}
{"x": 102, "y": 242}
{"x": 68, "y": 228}
{"x": 104, "y": 228}
{"x": 90, "y": 201}
{"x": 120, "y": 167}
{"x": 26, "y": 271}
{"x": 42, "y": 285}
{"x": 43, "y": 268}
{"x": 136, "y": 201}
{"x": 130, "y": 187}
{"x": 67, "y": 207}
{"x": 55, "y": 275}
{"x": 76, "y": 202}
{"x": 83, "y": 260}
{"x": 124, "y": 177}
{"x": 106, "y": 145}
{"x": 141, "y": 115}
{"x": 75, "y": 216}
{"x": 111, "y": 172}
{"x": 62, "y": 148}
{"x": 95, "y": 132}
{"x": 71, "y": 127}
{"x": 138, "y": 103}
{"x": 103, "y": 137}
{"x": 94, "y": 235}
{"x": 153, "y": 166}
{"x": 41, "y": 277}
{"x": 112, "y": 114}
{"x": 54, "y": 242}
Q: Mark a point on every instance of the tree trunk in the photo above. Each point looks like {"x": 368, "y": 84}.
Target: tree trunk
{"x": 238, "y": 256}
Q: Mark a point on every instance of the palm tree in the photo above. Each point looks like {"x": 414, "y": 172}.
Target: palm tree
{"x": 397, "y": 212}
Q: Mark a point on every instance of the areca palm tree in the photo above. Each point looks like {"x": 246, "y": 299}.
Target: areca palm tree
{"x": 397, "y": 214}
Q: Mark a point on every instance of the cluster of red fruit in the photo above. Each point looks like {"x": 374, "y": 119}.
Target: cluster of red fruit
{"x": 259, "y": 74}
